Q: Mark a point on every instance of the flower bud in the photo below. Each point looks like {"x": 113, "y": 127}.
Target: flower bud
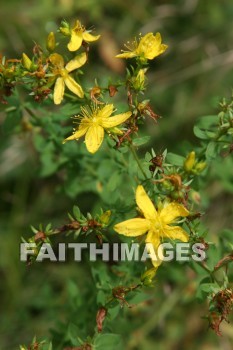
{"x": 176, "y": 195}
{"x": 105, "y": 217}
{"x": 51, "y": 42}
{"x": 139, "y": 81}
{"x": 200, "y": 167}
{"x": 167, "y": 185}
{"x": 26, "y": 62}
{"x": 189, "y": 161}
{"x": 147, "y": 276}
{"x": 65, "y": 28}
{"x": 116, "y": 131}
{"x": 195, "y": 196}
{"x": 9, "y": 73}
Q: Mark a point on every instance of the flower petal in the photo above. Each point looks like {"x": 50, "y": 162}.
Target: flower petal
{"x": 150, "y": 46}
{"x": 116, "y": 120}
{"x": 144, "y": 203}
{"x": 153, "y": 247}
{"x": 59, "y": 89}
{"x": 172, "y": 211}
{"x": 94, "y": 138}
{"x": 73, "y": 86}
{"x": 75, "y": 41}
{"x": 78, "y": 133}
{"x": 175, "y": 232}
{"x": 77, "y": 62}
{"x": 89, "y": 37}
{"x": 126, "y": 55}
{"x": 57, "y": 60}
{"x": 133, "y": 227}
{"x": 145, "y": 43}
{"x": 106, "y": 111}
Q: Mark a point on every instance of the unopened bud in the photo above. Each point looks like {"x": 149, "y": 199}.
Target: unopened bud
{"x": 177, "y": 195}
{"x": 105, "y": 217}
{"x": 189, "y": 161}
{"x": 26, "y": 62}
{"x": 65, "y": 28}
{"x": 51, "y": 42}
{"x": 147, "y": 276}
{"x": 167, "y": 185}
{"x": 116, "y": 131}
{"x": 195, "y": 197}
{"x": 139, "y": 80}
{"x": 200, "y": 167}
{"x": 9, "y": 73}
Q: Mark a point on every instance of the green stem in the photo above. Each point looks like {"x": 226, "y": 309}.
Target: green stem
{"x": 141, "y": 333}
{"x": 211, "y": 273}
{"x": 134, "y": 153}
{"x": 30, "y": 112}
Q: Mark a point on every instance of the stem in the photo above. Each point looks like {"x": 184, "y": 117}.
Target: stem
{"x": 134, "y": 153}
{"x": 30, "y": 112}
{"x": 211, "y": 273}
{"x": 150, "y": 325}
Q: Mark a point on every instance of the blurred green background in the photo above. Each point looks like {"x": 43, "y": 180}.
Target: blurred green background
{"x": 186, "y": 83}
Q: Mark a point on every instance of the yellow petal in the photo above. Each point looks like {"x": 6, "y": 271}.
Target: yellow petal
{"x": 116, "y": 120}
{"x": 77, "y": 62}
{"x": 151, "y": 46}
{"x": 56, "y": 60}
{"x": 74, "y": 86}
{"x": 145, "y": 42}
{"x": 106, "y": 111}
{"x": 59, "y": 89}
{"x": 75, "y": 41}
{"x": 133, "y": 227}
{"x": 126, "y": 55}
{"x": 153, "y": 247}
{"x": 94, "y": 138}
{"x": 156, "y": 51}
{"x": 89, "y": 37}
{"x": 77, "y": 134}
{"x": 144, "y": 203}
{"x": 172, "y": 211}
{"x": 175, "y": 232}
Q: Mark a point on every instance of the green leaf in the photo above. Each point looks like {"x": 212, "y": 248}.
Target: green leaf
{"x": 201, "y": 134}
{"x": 206, "y": 121}
{"x": 101, "y": 298}
{"x": 108, "y": 342}
{"x": 211, "y": 150}
{"x": 113, "y": 182}
{"x": 141, "y": 140}
{"x": 11, "y": 121}
{"x": 113, "y": 312}
{"x": 175, "y": 159}
{"x": 204, "y": 289}
{"x": 76, "y": 212}
{"x": 49, "y": 166}
{"x": 72, "y": 334}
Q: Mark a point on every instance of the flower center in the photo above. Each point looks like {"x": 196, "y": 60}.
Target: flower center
{"x": 91, "y": 113}
{"x": 157, "y": 224}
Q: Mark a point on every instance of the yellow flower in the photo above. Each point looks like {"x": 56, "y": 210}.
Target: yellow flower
{"x": 149, "y": 47}
{"x": 64, "y": 79}
{"x": 155, "y": 223}
{"x": 78, "y": 35}
{"x": 93, "y": 123}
